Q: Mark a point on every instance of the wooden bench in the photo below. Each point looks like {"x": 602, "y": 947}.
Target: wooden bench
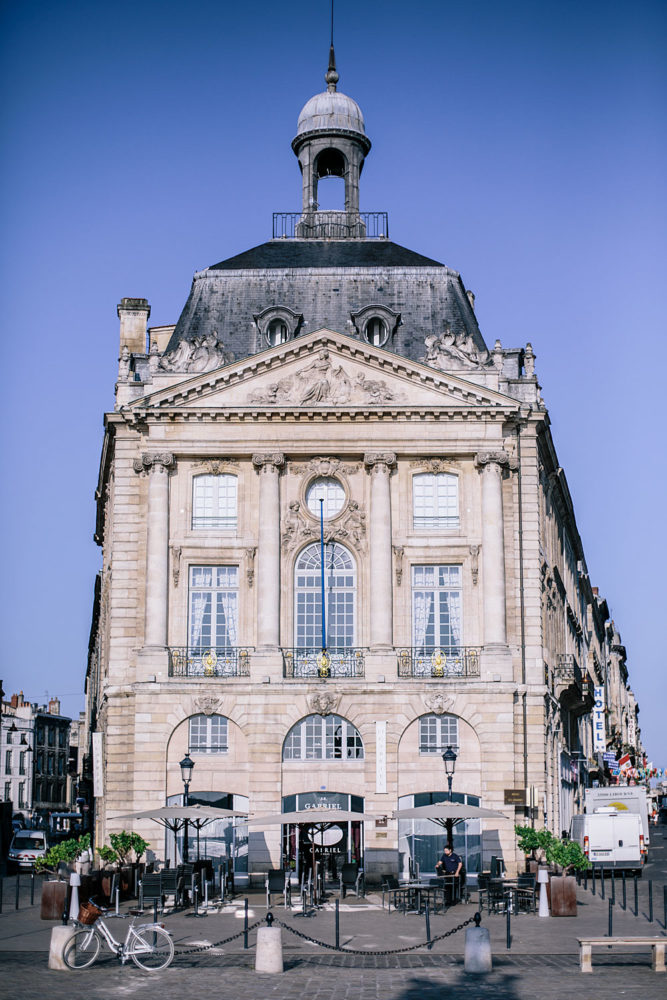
{"x": 656, "y": 944}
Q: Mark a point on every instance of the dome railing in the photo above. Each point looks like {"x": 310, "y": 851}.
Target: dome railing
{"x": 330, "y": 225}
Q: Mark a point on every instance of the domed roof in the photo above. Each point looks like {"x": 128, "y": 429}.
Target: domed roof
{"x": 330, "y": 111}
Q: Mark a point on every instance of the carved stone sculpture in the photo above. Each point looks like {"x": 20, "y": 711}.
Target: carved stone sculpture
{"x": 324, "y": 703}
{"x": 202, "y": 354}
{"x": 453, "y": 352}
{"x": 206, "y": 704}
{"x": 438, "y": 703}
{"x": 324, "y": 383}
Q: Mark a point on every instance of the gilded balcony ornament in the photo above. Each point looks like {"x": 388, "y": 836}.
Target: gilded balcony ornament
{"x": 438, "y": 663}
{"x": 323, "y": 664}
{"x": 210, "y": 661}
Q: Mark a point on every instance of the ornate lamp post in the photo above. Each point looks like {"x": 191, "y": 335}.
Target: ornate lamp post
{"x": 187, "y": 767}
{"x": 449, "y": 760}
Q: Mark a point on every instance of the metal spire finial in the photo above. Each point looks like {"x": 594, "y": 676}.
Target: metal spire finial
{"x": 331, "y": 74}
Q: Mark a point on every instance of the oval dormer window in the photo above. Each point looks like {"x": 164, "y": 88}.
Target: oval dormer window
{"x": 376, "y": 331}
{"x": 277, "y": 332}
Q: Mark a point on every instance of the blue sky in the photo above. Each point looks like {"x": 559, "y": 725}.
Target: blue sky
{"x": 521, "y": 144}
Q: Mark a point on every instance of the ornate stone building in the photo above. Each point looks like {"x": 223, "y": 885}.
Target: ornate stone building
{"x": 333, "y": 383}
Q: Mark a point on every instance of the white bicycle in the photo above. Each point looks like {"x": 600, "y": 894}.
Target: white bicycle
{"x": 149, "y": 945}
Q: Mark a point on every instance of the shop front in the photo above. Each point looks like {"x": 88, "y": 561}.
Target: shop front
{"x": 334, "y": 845}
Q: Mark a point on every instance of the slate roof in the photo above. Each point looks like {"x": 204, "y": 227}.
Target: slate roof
{"x": 326, "y": 253}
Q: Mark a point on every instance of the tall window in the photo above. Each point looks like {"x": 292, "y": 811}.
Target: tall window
{"x": 208, "y": 734}
{"x": 436, "y": 607}
{"x": 8, "y": 791}
{"x": 323, "y": 737}
{"x": 214, "y": 599}
{"x": 8, "y": 762}
{"x": 214, "y": 502}
{"x": 22, "y": 762}
{"x": 435, "y": 501}
{"x": 339, "y": 596}
{"x": 22, "y": 801}
{"x": 437, "y": 732}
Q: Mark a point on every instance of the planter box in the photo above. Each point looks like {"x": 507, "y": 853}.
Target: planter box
{"x": 54, "y": 900}
{"x": 563, "y": 896}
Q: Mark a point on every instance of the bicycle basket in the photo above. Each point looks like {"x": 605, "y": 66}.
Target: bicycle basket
{"x": 88, "y": 913}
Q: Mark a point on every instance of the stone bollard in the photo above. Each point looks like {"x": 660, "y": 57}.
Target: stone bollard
{"x": 542, "y": 879}
{"x": 59, "y": 938}
{"x": 477, "y": 952}
{"x": 269, "y": 953}
{"x": 74, "y": 882}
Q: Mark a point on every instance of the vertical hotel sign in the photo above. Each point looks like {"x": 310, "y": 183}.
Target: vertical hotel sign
{"x": 599, "y": 735}
{"x": 98, "y": 766}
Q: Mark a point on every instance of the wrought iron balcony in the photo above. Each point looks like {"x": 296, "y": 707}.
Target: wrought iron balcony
{"x": 213, "y": 661}
{"x": 330, "y": 225}
{"x": 439, "y": 662}
{"x": 573, "y": 687}
{"x": 340, "y": 661}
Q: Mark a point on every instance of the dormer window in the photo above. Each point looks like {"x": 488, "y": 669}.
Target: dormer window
{"x": 277, "y": 325}
{"x": 376, "y": 324}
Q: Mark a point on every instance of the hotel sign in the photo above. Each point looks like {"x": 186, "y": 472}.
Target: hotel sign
{"x": 599, "y": 734}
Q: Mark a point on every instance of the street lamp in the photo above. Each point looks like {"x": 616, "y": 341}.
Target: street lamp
{"x": 449, "y": 760}
{"x": 187, "y": 767}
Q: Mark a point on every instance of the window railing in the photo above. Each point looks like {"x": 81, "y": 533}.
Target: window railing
{"x": 337, "y": 661}
{"x": 438, "y": 661}
{"x": 421, "y": 522}
{"x": 214, "y": 661}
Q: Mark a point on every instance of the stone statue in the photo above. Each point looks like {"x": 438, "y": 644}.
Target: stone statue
{"x": 201, "y": 354}
{"x": 454, "y": 351}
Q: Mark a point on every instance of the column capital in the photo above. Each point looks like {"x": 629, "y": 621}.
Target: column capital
{"x": 162, "y": 461}
{"x": 498, "y": 458}
{"x": 379, "y": 461}
{"x": 268, "y": 461}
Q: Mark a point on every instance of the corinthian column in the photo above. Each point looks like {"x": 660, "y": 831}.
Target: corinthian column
{"x": 379, "y": 465}
{"x": 157, "y": 468}
{"x": 493, "y": 546}
{"x": 268, "y": 549}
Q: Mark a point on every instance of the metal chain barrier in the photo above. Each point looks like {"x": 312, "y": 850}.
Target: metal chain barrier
{"x": 395, "y": 951}
{"x": 218, "y": 944}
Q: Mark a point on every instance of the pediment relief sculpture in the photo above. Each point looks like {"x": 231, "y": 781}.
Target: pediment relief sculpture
{"x": 202, "y": 354}
{"x": 454, "y": 352}
{"x": 325, "y": 382}
{"x": 326, "y": 466}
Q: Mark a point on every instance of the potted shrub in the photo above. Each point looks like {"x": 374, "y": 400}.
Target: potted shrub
{"x": 122, "y": 845}
{"x": 534, "y": 844}
{"x": 57, "y": 862}
{"x": 568, "y": 856}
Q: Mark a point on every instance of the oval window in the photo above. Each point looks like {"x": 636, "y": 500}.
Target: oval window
{"x": 376, "y": 331}
{"x": 277, "y": 332}
{"x": 328, "y": 489}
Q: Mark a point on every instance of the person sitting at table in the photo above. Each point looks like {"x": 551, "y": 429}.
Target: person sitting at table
{"x": 450, "y": 864}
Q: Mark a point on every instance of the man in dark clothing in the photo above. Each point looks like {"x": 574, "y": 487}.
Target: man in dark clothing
{"x": 450, "y": 864}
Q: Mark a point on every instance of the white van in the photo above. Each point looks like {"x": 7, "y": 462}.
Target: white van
{"x": 26, "y": 847}
{"x": 611, "y": 839}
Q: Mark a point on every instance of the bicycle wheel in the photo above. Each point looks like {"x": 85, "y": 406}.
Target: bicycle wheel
{"x": 82, "y": 949}
{"x": 152, "y": 949}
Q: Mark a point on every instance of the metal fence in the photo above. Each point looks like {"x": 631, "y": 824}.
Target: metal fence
{"x": 342, "y": 661}
{"x": 330, "y": 225}
{"x": 214, "y": 661}
{"x": 439, "y": 662}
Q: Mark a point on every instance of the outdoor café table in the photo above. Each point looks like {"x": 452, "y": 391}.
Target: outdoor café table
{"x": 505, "y": 890}
{"x": 412, "y": 897}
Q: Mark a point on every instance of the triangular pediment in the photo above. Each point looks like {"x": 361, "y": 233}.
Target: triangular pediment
{"x": 323, "y": 369}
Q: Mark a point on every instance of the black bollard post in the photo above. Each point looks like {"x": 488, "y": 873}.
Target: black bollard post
{"x": 427, "y": 918}
{"x": 593, "y": 880}
{"x": 613, "y": 887}
{"x": 664, "y": 906}
{"x": 245, "y": 924}
{"x": 586, "y": 880}
{"x": 625, "y": 897}
{"x": 337, "y": 926}
{"x": 611, "y": 919}
{"x": 650, "y": 901}
{"x": 2, "y": 881}
{"x": 636, "y": 898}
{"x": 222, "y": 883}
{"x": 155, "y": 911}
{"x": 508, "y": 928}
{"x": 602, "y": 883}
{"x": 32, "y": 888}
{"x": 18, "y": 888}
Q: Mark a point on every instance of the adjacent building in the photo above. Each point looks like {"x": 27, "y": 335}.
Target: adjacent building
{"x": 326, "y": 428}
{"x": 35, "y": 744}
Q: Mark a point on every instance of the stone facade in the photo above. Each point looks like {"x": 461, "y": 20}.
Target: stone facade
{"x": 359, "y": 364}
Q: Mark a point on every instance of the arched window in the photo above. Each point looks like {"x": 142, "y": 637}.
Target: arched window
{"x": 277, "y": 332}
{"x": 214, "y": 502}
{"x": 323, "y": 737}
{"x": 435, "y": 501}
{"x": 207, "y": 734}
{"x": 339, "y": 596}
{"x": 376, "y": 331}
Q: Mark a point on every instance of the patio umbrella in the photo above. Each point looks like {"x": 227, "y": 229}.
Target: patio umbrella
{"x": 442, "y": 812}
{"x": 173, "y": 817}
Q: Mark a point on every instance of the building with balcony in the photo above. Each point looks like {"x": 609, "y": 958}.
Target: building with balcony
{"x": 35, "y": 743}
{"x": 336, "y": 541}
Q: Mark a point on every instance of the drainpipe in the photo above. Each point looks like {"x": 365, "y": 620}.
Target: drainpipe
{"x": 522, "y": 615}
